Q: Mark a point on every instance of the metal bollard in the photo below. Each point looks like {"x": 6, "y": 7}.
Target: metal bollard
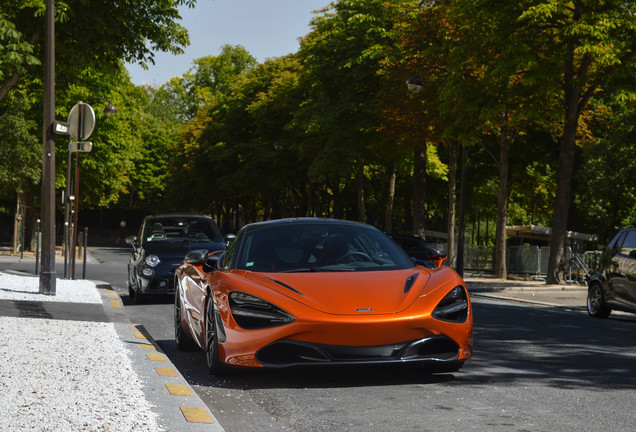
{"x": 37, "y": 247}
{"x": 85, "y": 245}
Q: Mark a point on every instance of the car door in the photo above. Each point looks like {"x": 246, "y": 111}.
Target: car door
{"x": 622, "y": 278}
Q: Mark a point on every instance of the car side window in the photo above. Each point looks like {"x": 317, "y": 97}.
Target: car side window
{"x": 629, "y": 244}
{"x": 226, "y": 263}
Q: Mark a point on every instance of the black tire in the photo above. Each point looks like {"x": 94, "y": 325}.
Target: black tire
{"x": 596, "y": 305}
{"x": 139, "y": 297}
{"x": 212, "y": 341}
{"x": 184, "y": 343}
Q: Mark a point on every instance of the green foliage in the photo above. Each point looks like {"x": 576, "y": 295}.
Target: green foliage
{"x": 20, "y": 149}
{"x": 97, "y": 35}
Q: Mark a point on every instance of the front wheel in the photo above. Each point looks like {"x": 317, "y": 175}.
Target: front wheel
{"x": 596, "y": 305}
{"x": 212, "y": 341}
{"x": 184, "y": 343}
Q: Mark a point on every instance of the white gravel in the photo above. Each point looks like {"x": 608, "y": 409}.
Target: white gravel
{"x": 60, "y": 375}
{"x": 14, "y": 287}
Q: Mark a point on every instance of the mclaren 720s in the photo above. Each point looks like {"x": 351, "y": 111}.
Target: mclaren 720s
{"x": 316, "y": 292}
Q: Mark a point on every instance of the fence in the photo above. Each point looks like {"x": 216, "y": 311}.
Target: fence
{"x": 533, "y": 260}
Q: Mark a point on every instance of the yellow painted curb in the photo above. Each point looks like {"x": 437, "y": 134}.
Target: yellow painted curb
{"x": 179, "y": 390}
{"x": 140, "y": 336}
{"x": 156, "y": 357}
{"x": 196, "y": 415}
{"x": 115, "y": 303}
{"x": 147, "y": 346}
{"x": 165, "y": 371}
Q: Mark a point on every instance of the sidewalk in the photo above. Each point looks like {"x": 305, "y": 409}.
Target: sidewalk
{"x": 573, "y": 297}
{"x": 75, "y": 362}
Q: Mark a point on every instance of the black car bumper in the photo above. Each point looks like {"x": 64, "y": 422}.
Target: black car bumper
{"x": 290, "y": 353}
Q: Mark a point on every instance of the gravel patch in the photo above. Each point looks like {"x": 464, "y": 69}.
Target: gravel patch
{"x": 58, "y": 375}
{"x": 27, "y": 288}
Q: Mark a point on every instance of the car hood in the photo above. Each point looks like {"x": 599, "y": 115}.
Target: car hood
{"x": 373, "y": 292}
{"x": 176, "y": 250}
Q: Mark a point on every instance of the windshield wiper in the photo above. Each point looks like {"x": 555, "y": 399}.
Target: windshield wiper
{"x": 301, "y": 270}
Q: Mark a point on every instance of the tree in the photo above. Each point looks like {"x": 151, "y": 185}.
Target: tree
{"x": 341, "y": 58}
{"x": 583, "y": 47}
{"x": 99, "y": 35}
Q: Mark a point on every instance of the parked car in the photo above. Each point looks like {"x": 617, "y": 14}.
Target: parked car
{"x": 316, "y": 292}
{"x": 426, "y": 254}
{"x": 613, "y": 286}
{"x": 159, "y": 248}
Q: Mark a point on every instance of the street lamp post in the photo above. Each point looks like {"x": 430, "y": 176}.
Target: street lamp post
{"x": 47, "y": 273}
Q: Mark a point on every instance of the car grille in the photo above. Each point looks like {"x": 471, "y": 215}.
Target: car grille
{"x": 295, "y": 353}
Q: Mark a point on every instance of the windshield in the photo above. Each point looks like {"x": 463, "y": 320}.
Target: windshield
{"x": 305, "y": 247}
{"x": 181, "y": 229}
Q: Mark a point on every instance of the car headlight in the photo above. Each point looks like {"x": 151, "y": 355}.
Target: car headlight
{"x": 152, "y": 260}
{"x": 453, "y": 307}
{"x": 251, "y": 312}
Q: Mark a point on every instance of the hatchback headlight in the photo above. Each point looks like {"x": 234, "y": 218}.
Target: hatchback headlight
{"x": 453, "y": 307}
{"x": 152, "y": 260}
{"x": 251, "y": 312}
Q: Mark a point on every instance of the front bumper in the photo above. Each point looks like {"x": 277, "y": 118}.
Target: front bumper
{"x": 290, "y": 353}
{"x": 156, "y": 285}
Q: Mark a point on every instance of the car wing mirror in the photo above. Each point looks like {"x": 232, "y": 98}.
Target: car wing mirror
{"x": 214, "y": 260}
{"x": 228, "y": 239}
{"x": 196, "y": 257}
{"x": 438, "y": 255}
{"x": 131, "y": 240}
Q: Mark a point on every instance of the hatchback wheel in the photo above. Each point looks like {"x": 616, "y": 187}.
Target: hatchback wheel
{"x": 596, "y": 305}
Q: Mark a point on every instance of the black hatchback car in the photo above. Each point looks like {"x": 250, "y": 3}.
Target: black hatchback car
{"x": 159, "y": 249}
{"x": 422, "y": 253}
{"x": 613, "y": 286}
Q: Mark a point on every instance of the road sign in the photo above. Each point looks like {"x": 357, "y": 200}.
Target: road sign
{"x": 82, "y": 146}
{"x": 61, "y": 128}
{"x": 82, "y": 121}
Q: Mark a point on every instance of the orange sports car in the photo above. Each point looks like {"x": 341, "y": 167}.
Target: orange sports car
{"x": 304, "y": 292}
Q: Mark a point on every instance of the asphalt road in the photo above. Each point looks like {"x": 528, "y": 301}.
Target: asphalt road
{"x": 534, "y": 369}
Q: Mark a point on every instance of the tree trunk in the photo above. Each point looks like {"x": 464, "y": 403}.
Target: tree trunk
{"x": 388, "y": 211}
{"x": 362, "y": 214}
{"x": 574, "y": 102}
{"x": 452, "y": 201}
{"x": 419, "y": 191}
{"x": 501, "y": 270}
{"x": 462, "y": 214}
{"x": 562, "y": 197}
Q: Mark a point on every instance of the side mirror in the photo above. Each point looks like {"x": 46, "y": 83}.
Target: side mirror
{"x": 131, "y": 240}
{"x": 213, "y": 261}
{"x": 196, "y": 257}
{"x": 438, "y": 256}
{"x": 228, "y": 239}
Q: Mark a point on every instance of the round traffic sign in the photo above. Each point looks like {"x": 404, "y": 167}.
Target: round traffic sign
{"x": 82, "y": 121}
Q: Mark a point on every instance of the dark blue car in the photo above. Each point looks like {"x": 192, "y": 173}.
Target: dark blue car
{"x": 159, "y": 249}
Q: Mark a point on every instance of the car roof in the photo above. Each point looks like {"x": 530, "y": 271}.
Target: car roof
{"x": 168, "y": 215}
{"x": 305, "y": 220}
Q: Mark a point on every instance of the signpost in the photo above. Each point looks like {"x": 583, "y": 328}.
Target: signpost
{"x": 81, "y": 121}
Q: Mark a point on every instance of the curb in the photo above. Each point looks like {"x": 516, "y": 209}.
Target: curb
{"x": 177, "y": 405}
{"x": 518, "y": 300}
